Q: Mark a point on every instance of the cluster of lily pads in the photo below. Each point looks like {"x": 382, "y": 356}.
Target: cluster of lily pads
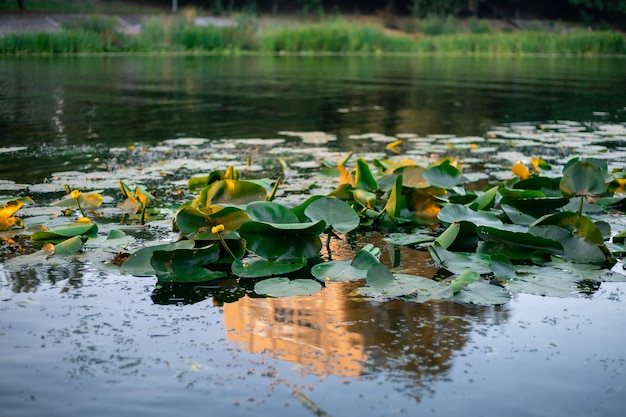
{"x": 539, "y": 232}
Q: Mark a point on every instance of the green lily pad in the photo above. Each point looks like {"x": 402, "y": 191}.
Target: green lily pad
{"x": 575, "y": 248}
{"x": 116, "y": 239}
{"x": 58, "y": 235}
{"x": 284, "y": 287}
{"x": 408, "y": 239}
{"x": 444, "y": 175}
{"x": 185, "y": 265}
{"x": 544, "y": 281}
{"x": 481, "y": 293}
{"x": 457, "y": 212}
{"x": 519, "y": 239}
{"x": 260, "y": 267}
{"x": 231, "y": 192}
{"x": 379, "y": 276}
{"x": 363, "y": 177}
{"x": 69, "y": 246}
{"x": 138, "y": 263}
{"x": 583, "y": 178}
{"x": 337, "y": 214}
{"x": 275, "y": 244}
{"x": 459, "y": 262}
{"x": 270, "y": 212}
{"x": 412, "y": 288}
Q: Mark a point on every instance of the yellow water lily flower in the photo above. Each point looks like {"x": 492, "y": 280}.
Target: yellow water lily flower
{"x": 75, "y": 194}
{"x": 520, "y": 170}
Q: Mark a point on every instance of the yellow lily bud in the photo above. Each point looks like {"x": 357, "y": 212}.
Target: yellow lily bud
{"x": 217, "y": 229}
{"x": 521, "y": 171}
{"x": 76, "y": 194}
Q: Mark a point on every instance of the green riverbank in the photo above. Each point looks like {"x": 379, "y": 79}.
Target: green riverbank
{"x": 247, "y": 34}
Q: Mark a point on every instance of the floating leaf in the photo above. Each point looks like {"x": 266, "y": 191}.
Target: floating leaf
{"x": 575, "y": 249}
{"x": 270, "y": 212}
{"x": 444, "y": 175}
{"x": 337, "y": 271}
{"x": 335, "y": 213}
{"x": 502, "y": 267}
{"x": 284, "y": 287}
{"x": 411, "y": 287}
{"x": 69, "y": 246}
{"x": 408, "y": 239}
{"x": 116, "y": 239}
{"x": 481, "y": 293}
{"x": 275, "y": 244}
{"x": 519, "y": 239}
{"x": 456, "y": 213}
{"x": 459, "y": 262}
{"x": 379, "y": 276}
{"x": 544, "y": 281}
{"x": 138, "y": 263}
{"x": 185, "y": 265}
{"x": 57, "y": 235}
{"x": 260, "y": 267}
{"x": 583, "y": 178}
{"x": 231, "y": 192}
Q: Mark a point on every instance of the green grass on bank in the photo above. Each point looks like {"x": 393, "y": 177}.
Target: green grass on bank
{"x": 179, "y": 34}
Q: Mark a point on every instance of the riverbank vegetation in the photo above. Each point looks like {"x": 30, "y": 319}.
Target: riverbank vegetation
{"x": 247, "y": 33}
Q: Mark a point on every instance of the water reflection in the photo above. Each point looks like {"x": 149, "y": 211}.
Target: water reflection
{"x": 334, "y": 333}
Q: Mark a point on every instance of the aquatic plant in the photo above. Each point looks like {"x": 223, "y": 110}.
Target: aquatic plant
{"x": 534, "y": 233}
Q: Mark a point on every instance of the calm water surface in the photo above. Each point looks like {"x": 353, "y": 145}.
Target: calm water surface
{"x": 78, "y": 341}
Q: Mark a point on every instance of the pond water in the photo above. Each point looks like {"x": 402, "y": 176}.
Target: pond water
{"x": 76, "y": 339}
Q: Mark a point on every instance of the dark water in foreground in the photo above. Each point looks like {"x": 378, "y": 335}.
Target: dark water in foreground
{"x": 76, "y": 340}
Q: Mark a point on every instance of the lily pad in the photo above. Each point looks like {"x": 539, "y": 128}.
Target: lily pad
{"x": 481, "y": 293}
{"x": 260, "y": 267}
{"x": 284, "y": 287}
{"x": 337, "y": 214}
{"x": 379, "y": 276}
{"x": 457, "y": 212}
{"x": 138, "y": 263}
{"x": 411, "y": 287}
{"x": 69, "y": 246}
{"x": 57, "y": 235}
{"x": 544, "y": 281}
{"x": 185, "y": 265}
